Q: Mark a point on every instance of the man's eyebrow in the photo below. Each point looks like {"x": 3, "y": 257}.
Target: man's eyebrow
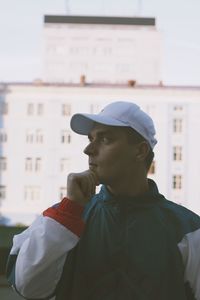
{"x": 101, "y": 133}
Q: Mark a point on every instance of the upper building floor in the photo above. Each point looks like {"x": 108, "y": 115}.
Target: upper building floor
{"x": 102, "y": 50}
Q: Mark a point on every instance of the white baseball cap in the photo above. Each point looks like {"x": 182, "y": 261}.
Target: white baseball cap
{"x": 121, "y": 113}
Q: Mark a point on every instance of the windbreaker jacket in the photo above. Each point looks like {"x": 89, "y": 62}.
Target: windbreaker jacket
{"x": 137, "y": 248}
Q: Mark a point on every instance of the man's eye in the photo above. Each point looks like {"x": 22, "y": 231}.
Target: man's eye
{"x": 105, "y": 139}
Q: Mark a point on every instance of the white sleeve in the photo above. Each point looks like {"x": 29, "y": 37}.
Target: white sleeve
{"x": 190, "y": 250}
{"x": 41, "y": 252}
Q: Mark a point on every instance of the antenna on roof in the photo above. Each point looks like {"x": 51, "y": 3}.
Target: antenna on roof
{"x": 139, "y": 7}
{"x": 67, "y": 7}
{"x": 103, "y": 7}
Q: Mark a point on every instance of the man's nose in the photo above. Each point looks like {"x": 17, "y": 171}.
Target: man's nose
{"x": 90, "y": 148}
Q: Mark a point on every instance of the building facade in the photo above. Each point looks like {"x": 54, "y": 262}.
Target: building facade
{"x": 89, "y": 62}
{"x": 101, "y": 50}
{"x": 38, "y": 150}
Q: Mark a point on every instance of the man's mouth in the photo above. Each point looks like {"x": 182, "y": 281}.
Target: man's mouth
{"x": 92, "y": 165}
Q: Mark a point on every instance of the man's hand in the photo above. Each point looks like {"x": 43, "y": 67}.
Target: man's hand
{"x": 81, "y": 186}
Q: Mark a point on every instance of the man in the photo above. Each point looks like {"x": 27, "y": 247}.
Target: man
{"x": 127, "y": 241}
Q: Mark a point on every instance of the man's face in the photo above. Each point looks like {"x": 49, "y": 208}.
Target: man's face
{"x": 111, "y": 156}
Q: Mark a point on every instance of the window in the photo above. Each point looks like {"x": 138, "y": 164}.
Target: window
{"x": 32, "y": 164}
{"x": 32, "y": 193}
{"x": 66, "y": 109}
{"x": 3, "y": 136}
{"x": 38, "y": 164}
{"x": 34, "y": 136}
{"x": 2, "y": 192}
{"x": 30, "y": 109}
{"x": 3, "y": 108}
{"x": 39, "y": 136}
{"x": 63, "y": 192}
{"x": 28, "y": 164}
{"x": 107, "y": 51}
{"x": 40, "y": 109}
{"x": 177, "y": 153}
{"x": 177, "y": 182}
{"x": 177, "y": 125}
{"x": 152, "y": 168}
{"x": 3, "y": 163}
{"x": 64, "y": 164}
{"x": 65, "y": 137}
{"x": 178, "y": 108}
{"x": 29, "y": 136}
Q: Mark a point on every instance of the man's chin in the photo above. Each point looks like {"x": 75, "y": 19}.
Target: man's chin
{"x": 93, "y": 168}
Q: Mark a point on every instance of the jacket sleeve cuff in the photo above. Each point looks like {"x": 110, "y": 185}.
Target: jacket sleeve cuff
{"x": 69, "y": 214}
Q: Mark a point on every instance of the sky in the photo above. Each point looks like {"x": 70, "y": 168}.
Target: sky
{"x": 21, "y": 34}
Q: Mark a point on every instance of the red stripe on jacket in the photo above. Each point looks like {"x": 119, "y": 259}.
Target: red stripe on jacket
{"x": 69, "y": 214}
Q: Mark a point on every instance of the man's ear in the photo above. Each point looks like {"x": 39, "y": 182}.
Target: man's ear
{"x": 143, "y": 150}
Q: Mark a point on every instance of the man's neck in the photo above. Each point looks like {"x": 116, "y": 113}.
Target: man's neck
{"x": 129, "y": 189}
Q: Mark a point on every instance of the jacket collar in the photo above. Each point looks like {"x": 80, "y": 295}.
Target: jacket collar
{"x": 148, "y": 198}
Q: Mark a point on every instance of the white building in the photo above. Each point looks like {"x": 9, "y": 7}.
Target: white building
{"x": 38, "y": 149}
{"x": 89, "y": 62}
{"x": 101, "y": 50}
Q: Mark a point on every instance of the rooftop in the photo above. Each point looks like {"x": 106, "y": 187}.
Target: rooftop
{"x": 40, "y": 83}
{"x": 99, "y": 20}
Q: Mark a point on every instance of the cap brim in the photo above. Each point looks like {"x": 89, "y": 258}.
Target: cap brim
{"x": 83, "y": 123}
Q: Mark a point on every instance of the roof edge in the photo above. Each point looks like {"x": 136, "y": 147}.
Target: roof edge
{"x": 104, "y": 20}
{"x": 5, "y": 85}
